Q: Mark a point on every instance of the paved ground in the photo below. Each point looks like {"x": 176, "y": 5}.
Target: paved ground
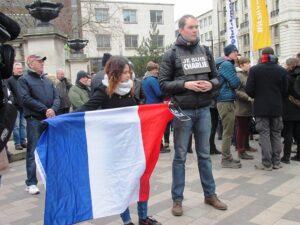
{"x": 254, "y": 197}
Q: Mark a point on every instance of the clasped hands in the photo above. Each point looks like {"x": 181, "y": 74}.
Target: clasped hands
{"x": 198, "y": 86}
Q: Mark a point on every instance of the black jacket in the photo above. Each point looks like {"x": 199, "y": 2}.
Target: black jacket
{"x": 101, "y": 99}
{"x": 291, "y": 112}
{"x": 37, "y": 94}
{"x": 12, "y": 85}
{"x": 172, "y": 77}
{"x": 97, "y": 80}
{"x": 267, "y": 84}
{"x": 63, "y": 88}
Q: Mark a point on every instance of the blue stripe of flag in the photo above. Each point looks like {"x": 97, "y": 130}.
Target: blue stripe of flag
{"x": 72, "y": 193}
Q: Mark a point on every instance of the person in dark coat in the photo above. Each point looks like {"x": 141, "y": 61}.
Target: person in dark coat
{"x": 63, "y": 86}
{"x": 291, "y": 111}
{"x": 117, "y": 91}
{"x": 98, "y": 77}
{"x": 267, "y": 84}
{"x": 19, "y": 132}
{"x": 40, "y": 101}
{"x": 188, "y": 75}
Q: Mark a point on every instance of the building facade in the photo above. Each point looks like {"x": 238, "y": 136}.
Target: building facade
{"x": 284, "y": 19}
{"x": 119, "y": 27}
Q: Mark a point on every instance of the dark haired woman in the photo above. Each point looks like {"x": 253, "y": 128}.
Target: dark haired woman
{"x": 116, "y": 91}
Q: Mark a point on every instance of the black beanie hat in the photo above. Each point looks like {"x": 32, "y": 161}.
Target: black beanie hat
{"x": 81, "y": 74}
{"x": 230, "y": 48}
{"x": 105, "y": 58}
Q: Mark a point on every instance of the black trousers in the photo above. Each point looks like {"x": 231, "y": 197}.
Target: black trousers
{"x": 291, "y": 129}
{"x": 214, "y": 124}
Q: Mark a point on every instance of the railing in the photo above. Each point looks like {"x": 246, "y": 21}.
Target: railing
{"x": 274, "y": 13}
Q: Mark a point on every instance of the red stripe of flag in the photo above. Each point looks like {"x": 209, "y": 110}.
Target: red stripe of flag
{"x": 154, "y": 119}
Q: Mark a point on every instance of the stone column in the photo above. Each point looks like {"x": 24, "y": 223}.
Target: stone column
{"x": 46, "y": 41}
{"x": 77, "y": 62}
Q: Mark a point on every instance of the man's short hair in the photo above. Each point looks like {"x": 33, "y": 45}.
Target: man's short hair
{"x": 152, "y": 66}
{"x": 268, "y": 50}
{"x": 182, "y": 20}
{"x": 17, "y": 64}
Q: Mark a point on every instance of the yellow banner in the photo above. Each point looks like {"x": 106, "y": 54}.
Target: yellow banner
{"x": 261, "y": 37}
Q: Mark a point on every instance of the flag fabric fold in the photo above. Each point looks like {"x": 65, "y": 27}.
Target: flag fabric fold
{"x": 95, "y": 164}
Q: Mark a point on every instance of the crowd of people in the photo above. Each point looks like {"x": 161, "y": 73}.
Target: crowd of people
{"x": 208, "y": 91}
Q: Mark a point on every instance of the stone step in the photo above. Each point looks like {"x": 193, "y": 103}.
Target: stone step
{"x": 15, "y": 155}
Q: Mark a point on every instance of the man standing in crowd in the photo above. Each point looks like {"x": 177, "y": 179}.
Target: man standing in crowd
{"x": 97, "y": 78}
{"x": 188, "y": 75}
{"x": 267, "y": 84}
{"x": 225, "y": 102}
{"x": 63, "y": 86}
{"x": 153, "y": 94}
{"x": 40, "y": 101}
{"x": 80, "y": 93}
{"x": 19, "y": 132}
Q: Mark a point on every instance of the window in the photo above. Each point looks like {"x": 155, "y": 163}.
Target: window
{"x": 158, "y": 41}
{"x": 246, "y": 4}
{"x": 205, "y": 22}
{"x": 276, "y": 31}
{"x": 246, "y": 40}
{"x": 101, "y": 15}
{"x": 202, "y": 37}
{"x": 237, "y": 22}
{"x": 277, "y": 50}
{"x": 235, "y": 6}
{"x": 209, "y": 20}
{"x": 103, "y": 41}
{"x": 247, "y": 54}
{"x": 210, "y": 35}
{"x": 246, "y": 17}
{"x": 131, "y": 41}
{"x": 206, "y": 36}
{"x": 201, "y": 23}
{"x": 276, "y": 4}
{"x": 156, "y": 16}
{"x": 129, "y": 16}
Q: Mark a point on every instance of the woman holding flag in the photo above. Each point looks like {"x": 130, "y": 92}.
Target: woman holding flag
{"x": 116, "y": 91}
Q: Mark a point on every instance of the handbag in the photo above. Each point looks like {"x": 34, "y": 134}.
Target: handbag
{"x": 294, "y": 100}
{"x": 4, "y": 164}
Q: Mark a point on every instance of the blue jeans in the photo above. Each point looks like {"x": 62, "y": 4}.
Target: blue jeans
{"x": 33, "y": 135}
{"x": 19, "y": 132}
{"x": 142, "y": 208}
{"x": 200, "y": 125}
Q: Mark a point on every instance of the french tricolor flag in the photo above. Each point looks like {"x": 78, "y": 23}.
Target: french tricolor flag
{"x": 95, "y": 164}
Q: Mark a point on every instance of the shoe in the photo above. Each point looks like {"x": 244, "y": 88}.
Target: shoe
{"x": 24, "y": 145}
{"x": 32, "y": 189}
{"x": 233, "y": 164}
{"x": 295, "y": 158}
{"x": 129, "y": 223}
{"x": 215, "y": 202}
{"x": 215, "y": 151}
{"x": 18, "y": 147}
{"x": 285, "y": 160}
{"x": 177, "y": 208}
{"x": 149, "y": 221}
{"x": 190, "y": 151}
{"x": 166, "y": 145}
{"x": 250, "y": 149}
{"x": 277, "y": 166}
{"x": 244, "y": 155}
{"x": 164, "y": 150}
{"x": 262, "y": 167}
